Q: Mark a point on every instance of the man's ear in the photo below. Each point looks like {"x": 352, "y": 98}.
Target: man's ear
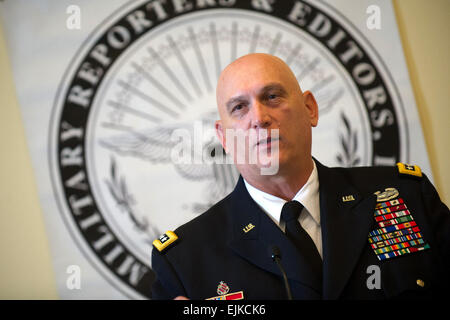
{"x": 220, "y": 134}
{"x": 311, "y": 104}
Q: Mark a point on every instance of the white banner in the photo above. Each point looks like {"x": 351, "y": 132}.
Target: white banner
{"x": 104, "y": 84}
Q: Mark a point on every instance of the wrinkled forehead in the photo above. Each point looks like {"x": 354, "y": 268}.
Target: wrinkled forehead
{"x": 248, "y": 74}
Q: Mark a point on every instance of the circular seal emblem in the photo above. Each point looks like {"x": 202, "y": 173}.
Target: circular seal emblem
{"x": 151, "y": 68}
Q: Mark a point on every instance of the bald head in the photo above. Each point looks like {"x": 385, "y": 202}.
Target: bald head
{"x": 259, "y": 93}
{"x": 241, "y": 73}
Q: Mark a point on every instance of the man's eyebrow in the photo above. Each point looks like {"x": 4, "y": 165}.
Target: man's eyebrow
{"x": 273, "y": 86}
{"x": 233, "y": 100}
{"x": 242, "y": 98}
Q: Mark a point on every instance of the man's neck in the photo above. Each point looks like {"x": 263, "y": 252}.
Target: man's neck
{"x": 285, "y": 184}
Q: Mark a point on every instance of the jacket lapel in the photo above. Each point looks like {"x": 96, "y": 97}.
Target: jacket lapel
{"x": 254, "y": 243}
{"x": 346, "y": 219}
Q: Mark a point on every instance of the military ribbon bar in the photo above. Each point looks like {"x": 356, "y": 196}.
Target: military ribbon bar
{"x": 397, "y": 233}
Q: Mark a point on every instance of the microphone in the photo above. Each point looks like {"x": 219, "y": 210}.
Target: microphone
{"x": 275, "y": 254}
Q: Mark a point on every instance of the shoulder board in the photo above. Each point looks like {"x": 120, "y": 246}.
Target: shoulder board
{"x": 165, "y": 240}
{"x": 412, "y": 170}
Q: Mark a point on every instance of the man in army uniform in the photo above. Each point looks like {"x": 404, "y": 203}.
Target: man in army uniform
{"x": 326, "y": 231}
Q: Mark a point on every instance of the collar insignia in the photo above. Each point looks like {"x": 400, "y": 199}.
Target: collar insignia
{"x": 248, "y": 227}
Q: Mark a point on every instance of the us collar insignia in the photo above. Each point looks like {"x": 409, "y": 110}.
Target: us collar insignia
{"x": 248, "y": 227}
{"x": 348, "y": 198}
{"x": 223, "y": 289}
{"x": 397, "y": 232}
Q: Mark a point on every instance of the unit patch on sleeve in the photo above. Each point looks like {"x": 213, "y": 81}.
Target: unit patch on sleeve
{"x": 398, "y": 234}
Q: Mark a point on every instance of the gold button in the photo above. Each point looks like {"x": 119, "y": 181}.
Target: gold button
{"x": 420, "y": 283}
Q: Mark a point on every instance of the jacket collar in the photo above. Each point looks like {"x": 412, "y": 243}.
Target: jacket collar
{"x": 308, "y": 196}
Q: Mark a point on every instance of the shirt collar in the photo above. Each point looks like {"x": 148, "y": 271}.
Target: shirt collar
{"x": 308, "y": 196}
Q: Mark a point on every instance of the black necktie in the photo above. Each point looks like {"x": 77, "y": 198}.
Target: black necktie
{"x": 294, "y": 231}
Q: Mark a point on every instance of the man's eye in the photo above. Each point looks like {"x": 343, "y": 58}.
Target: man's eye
{"x": 273, "y": 96}
{"x": 237, "y": 107}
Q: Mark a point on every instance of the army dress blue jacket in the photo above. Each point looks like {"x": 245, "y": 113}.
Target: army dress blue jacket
{"x": 217, "y": 253}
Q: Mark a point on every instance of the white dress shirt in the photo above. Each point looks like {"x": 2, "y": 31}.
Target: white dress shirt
{"x": 308, "y": 196}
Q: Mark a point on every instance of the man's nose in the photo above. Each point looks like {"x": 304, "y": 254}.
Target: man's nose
{"x": 260, "y": 115}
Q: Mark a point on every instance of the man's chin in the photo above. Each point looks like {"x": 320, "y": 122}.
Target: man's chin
{"x": 268, "y": 164}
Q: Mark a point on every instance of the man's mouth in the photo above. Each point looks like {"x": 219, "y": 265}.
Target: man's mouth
{"x": 267, "y": 141}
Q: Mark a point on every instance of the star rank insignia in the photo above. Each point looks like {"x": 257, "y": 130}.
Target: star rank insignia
{"x": 397, "y": 233}
{"x": 165, "y": 240}
{"x": 412, "y": 170}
